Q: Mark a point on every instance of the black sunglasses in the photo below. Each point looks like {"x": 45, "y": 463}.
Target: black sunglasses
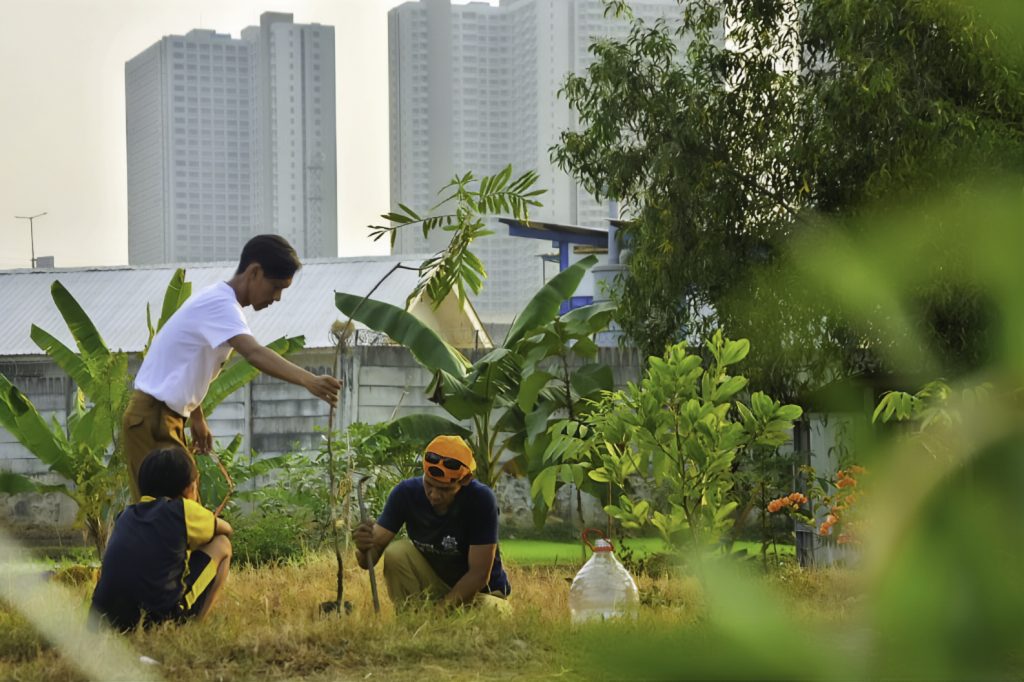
{"x": 449, "y": 463}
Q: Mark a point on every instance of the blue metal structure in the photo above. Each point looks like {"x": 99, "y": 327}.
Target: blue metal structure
{"x": 563, "y": 237}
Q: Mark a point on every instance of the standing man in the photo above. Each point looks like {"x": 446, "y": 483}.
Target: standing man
{"x": 451, "y": 555}
{"x": 188, "y": 351}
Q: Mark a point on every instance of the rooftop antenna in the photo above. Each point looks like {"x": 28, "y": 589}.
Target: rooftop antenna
{"x": 31, "y": 232}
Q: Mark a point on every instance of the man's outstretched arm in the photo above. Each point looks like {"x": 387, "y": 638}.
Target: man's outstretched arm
{"x": 324, "y": 387}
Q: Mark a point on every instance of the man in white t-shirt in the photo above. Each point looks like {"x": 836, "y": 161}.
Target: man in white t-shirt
{"x": 190, "y": 348}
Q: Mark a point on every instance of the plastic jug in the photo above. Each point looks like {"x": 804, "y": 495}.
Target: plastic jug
{"x": 603, "y": 588}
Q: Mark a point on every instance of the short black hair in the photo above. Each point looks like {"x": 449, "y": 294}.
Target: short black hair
{"x": 166, "y": 472}
{"x": 273, "y": 253}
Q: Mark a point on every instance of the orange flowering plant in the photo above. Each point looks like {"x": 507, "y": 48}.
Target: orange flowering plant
{"x": 838, "y": 495}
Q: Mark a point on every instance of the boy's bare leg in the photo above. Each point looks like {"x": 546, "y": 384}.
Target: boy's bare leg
{"x": 219, "y": 550}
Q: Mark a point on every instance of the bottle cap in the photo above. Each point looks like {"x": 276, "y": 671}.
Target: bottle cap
{"x": 603, "y": 544}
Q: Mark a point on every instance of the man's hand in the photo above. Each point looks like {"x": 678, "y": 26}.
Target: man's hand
{"x": 202, "y": 437}
{"x": 371, "y": 541}
{"x": 324, "y": 387}
{"x": 480, "y": 559}
{"x": 362, "y": 535}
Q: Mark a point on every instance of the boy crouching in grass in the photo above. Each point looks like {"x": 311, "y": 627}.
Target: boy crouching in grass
{"x": 168, "y": 556}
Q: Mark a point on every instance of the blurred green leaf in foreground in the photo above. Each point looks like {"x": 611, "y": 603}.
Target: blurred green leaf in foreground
{"x": 944, "y": 545}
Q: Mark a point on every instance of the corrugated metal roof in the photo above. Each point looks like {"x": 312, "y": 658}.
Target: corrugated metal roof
{"x": 115, "y": 299}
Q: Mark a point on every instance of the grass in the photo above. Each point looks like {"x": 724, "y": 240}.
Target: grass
{"x": 552, "y": 552}
{"x": 267, "y": 626}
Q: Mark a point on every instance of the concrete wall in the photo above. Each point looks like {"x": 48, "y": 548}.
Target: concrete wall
{"x": 272, "y": 416}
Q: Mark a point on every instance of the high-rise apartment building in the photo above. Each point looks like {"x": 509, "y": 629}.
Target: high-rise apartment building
{"x": 231, "y": 137}
{"x": 475, "y": 87}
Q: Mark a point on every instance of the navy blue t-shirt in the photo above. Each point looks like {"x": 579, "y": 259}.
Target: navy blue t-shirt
{"x": 444, "y": 540}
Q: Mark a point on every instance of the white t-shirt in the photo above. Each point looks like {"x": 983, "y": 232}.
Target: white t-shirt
{"x": 191, "y": 347}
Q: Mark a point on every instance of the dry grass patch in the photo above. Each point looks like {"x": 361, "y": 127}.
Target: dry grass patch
{"x": 267, "y": 626}
{"x": 826, "y": 595}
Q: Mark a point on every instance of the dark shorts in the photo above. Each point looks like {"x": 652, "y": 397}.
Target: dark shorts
{"x": 201, "y": 572}
{"x": 148, "y": 425}
{"x": 124, "y": 615}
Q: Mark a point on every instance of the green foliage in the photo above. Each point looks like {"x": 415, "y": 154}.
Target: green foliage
{"x": 938, "y": 584}
{"x": 769, "y": 114}
{"x": 760, "y": 475}
{"x": 265, "y": 538}
{"x": 282, "y": 506}
{"x": 561, "y": 379}
{"x": 387, "y": 454}
{"x": 491, "y": 392}
{"x": 426, "y": 345}
{"x": 245, "y": 470}
{"x": 507, "y": 391}
{"x": 930, "y": 406}
{"x": 668, "y": 444}
{"x": 85, "y": 453}
{"x": 178, "y": 291}
{"x": 456, "y": 268}
{"x": 420, "y": 428}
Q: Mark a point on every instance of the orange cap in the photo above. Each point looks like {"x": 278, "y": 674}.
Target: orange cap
{"x": 452, "y": 459}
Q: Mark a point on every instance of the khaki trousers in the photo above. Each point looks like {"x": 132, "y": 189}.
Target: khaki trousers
{"x": 148, "y": 425}
{"x": 410, "y": 579}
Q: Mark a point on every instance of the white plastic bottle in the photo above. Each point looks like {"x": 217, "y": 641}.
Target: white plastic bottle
{"x": 603, "y": 589}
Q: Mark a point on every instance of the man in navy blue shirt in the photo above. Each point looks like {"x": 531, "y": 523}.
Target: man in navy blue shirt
{"x": 451, "y": 555}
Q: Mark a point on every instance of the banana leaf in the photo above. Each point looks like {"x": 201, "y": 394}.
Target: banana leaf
{"x": 66, "y": 359}
{"x": 456, "y": 397}
{"x": 544, "y": 305}
{"x": 530, "y": 388}
{"x": 21, "y": 418}
{"x": 589, "y": 380}
{"x": 497, "y": 373}
{"x": 423, "y": 428}
{"x": 91, "y": 428}
{"x": 429, "y": 349}
{"x": 88, "y": 338}
{"x": 588, "y": 319}
{"x": 12, "y": 484}
{"x": 240, "y": 372}
{"x": 178, "y": 291}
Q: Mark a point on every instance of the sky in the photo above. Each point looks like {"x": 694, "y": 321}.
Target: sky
{"x": 62, "y": 119}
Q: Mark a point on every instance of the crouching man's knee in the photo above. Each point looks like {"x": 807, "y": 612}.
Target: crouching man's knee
{"x": 408, "y": 575}
{"x": 400, "y": 554}
{"x": 219, "y": 548}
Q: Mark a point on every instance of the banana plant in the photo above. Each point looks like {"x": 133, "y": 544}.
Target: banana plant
{"x": 79, "y": 453}
{"x": 479, "y": 392}
{"x": 86, "y": 453}
{"x": 561, "y": 381}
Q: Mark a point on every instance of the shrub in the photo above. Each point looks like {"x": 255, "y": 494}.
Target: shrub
{"x": 263, "y": 538}
{"x": 669, "y": 443}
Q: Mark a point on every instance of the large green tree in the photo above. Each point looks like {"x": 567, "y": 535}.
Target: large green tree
{"x": 745, "y": 122}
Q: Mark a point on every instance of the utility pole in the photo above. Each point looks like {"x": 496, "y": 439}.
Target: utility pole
{"x": 31, "y": 232}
